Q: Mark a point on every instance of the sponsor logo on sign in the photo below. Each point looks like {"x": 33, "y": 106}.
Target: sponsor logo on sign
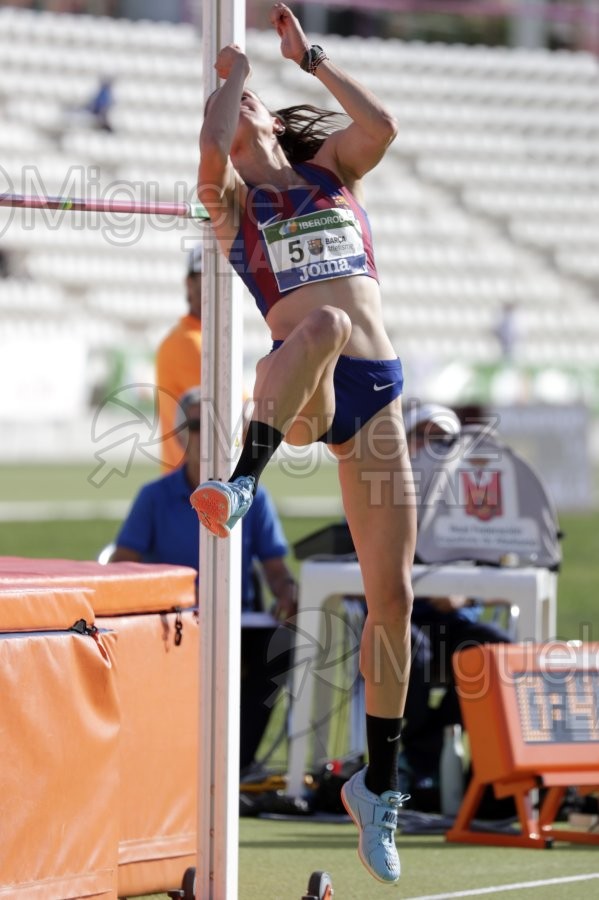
{"x": 482, "y": 494}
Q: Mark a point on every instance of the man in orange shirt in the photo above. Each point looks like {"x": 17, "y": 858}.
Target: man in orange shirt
{"x": 178, "y": 362}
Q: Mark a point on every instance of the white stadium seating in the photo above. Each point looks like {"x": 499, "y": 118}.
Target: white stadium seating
{"x": 490, "y": 194}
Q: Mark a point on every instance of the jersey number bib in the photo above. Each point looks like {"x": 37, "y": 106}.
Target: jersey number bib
{"x": 315, "y": 247}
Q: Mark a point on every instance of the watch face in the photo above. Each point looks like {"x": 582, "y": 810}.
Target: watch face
{"x": 558, "y": 707}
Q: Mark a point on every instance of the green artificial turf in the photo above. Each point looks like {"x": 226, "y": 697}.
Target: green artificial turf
{"x": 277, "y": 857}
{"x": 82, "y": 539}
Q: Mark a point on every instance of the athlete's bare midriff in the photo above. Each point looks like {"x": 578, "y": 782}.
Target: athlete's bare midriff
{"x": 358, "y": 296}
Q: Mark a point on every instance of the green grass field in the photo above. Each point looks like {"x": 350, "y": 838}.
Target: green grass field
{"x": 82, "y": 538}
{"x": 430, "y": 865}
{"x": 276, "y": 857}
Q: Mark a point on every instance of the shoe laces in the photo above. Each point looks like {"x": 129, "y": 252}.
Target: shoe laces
{"x": 396, "y": 802}
{"x": 393, "y": 802}
{"x": 245, "y": 485}
{"x": 395, "y": 799}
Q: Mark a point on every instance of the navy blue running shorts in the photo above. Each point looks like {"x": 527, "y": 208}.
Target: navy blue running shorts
{"x": 362, "y": 388}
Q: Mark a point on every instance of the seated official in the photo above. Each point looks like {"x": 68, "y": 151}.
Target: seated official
{"x": 162, "y": 527}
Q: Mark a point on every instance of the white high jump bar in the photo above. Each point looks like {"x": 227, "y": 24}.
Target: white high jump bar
{"x": 183, "y": 210}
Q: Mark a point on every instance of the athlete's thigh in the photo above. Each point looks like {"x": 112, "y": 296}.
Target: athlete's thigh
{"x": 315, "y": 418}
{"x": 379, "y": 500}
{"x": 316, "y": 414}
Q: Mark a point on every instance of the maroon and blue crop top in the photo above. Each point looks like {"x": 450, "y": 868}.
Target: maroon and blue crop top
{"x": 299, "y": 236}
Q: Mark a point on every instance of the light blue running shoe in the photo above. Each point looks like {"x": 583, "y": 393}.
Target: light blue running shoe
{"x": 376, "y": 818}
{"x": 219, "y": 504}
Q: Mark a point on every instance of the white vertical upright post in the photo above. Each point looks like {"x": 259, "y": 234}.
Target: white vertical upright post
{"x": 220, "y": 578}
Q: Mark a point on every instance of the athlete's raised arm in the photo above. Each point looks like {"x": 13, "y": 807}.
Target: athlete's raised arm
{"x": 359, "y": 147}
{"x": 219, "y": 185}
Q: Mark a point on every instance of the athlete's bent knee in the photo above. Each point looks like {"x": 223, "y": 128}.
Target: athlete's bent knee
{"x": 328, "y": 326}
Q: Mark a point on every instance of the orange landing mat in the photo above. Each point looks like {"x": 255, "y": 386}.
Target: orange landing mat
{"x": 59, "y": 745}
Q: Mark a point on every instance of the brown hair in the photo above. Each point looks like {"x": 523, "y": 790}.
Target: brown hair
{"x": 306, "y": 128}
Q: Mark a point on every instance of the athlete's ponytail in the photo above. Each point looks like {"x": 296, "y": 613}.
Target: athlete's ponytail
{"x": 306, "y": 128}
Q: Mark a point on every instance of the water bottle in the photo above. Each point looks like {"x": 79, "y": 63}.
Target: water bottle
{"x": 451, "y": 770}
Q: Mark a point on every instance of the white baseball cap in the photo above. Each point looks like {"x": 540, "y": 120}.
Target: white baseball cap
{"x": 191, "y": 397}
{"x": 442, "y": 416}
{"x": 195, "y": 260}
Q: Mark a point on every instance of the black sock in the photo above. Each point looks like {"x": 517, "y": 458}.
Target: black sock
{"x": 383, "y": 737}
{"x": 260, "y": 444}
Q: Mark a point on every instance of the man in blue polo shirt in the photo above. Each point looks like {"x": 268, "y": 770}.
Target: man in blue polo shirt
{"x": 163, "y": 527}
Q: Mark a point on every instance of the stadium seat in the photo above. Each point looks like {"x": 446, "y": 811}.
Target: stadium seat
{"x": 487, "y": 195}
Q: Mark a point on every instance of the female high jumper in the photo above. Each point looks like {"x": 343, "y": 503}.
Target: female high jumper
{"x": 284, "y": 195}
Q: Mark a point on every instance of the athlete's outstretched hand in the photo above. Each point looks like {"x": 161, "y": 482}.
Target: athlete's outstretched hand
{"x": 226, "y": 59}
{"x": 294, "y": 42}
